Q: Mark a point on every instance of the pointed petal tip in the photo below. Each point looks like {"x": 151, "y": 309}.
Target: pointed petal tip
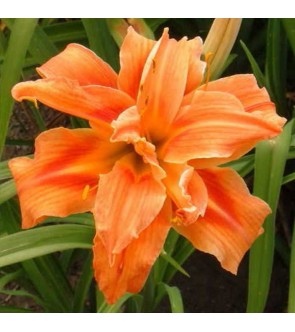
{"x": 233, "y": 267}
{"x": 166, "y": 31}
{"x": 132, "y": 266}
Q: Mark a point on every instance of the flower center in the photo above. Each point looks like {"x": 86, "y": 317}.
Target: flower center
{"x": 144, "y": 148}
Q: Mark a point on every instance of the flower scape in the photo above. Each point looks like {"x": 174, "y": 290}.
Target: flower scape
{"x": 150, "y": 160}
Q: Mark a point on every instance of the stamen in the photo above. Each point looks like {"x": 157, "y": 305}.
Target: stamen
{"x": 176, "y": 220}
{"x": 33, "y": 100}
{"x": 87, "y": 190}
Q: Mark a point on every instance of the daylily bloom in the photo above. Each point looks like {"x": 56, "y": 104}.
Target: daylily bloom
{"x": 150, "y": 160}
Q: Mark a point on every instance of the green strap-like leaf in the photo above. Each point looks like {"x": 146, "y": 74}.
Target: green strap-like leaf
{"x": 175, "y": 298}
{"x": 270, "y": 159}
{"x": 174, "y": 263}
{"x": 41, "y": 47}
{"x": 7, "y": 190}
{"x": 289, "y": 25}
{"x": 21, "y": 34}
{"x": 4, "y": 170}
{"x": 83, "y": 285}
{"x": 101, "y": 41}
{"x": 7, "y": 278}
{"x": 183, "y": 251}
{"x": 243, "y": 165}
{"x": 256, "y": 70}
{"x": 117, "y": 307}
{"x": 276, "y": 61}
{"x": 11, "y": 309}
{"x": 2, "y": 43}
{"x": 15, "y": 248}
{"x": 288, "y": 178}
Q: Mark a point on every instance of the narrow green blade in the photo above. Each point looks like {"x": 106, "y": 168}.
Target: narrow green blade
{"x": 270, "y": 159}
{"x": 17, "y": 247}
{"x": 289, "y": 25}
{"x": 7, "y": 190}
{"x": 256, "y": 70}
{"x": 276, "y": 60}
{"x": 21, "y": 34}
{"x": 175, "y": 298}
{"x": 101, "y": 41}
{"x": 83, "y": 285}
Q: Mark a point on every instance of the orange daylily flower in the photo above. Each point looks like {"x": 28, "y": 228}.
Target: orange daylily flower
{"x": 150, "y": 160}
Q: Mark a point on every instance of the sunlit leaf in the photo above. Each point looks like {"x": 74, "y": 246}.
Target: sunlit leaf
{"x": 36, "y": 242}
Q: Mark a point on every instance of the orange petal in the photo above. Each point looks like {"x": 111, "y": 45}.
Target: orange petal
{"x": 127, "y": 127}
{"x": 212, "y": 162}
{"x": 254, "y": 100}
{"x": 79, "y": 63}
{"x": 232, "y": 221}
{"x": 196, "y": 66}
{"x": 245, "y": 88}
{"x": 131, "y": 267}
{"x": 163, "y": 84}
{"x": 128, "y": 200}
{"x": 133, "y": 54}
{"x": 66, "y": 161}
{"x": 214, "y": 126}
{"x": 187, "y": 190}
{"x": 90, "y": 102}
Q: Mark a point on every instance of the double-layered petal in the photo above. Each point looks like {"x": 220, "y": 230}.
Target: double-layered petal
{"x": 149, "y": 160}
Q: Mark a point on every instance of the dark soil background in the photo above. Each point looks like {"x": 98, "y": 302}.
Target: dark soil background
{"x": 210, "y": 289}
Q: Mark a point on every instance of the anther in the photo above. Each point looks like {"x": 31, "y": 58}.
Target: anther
{"x": 87, "y": 190}
{"x": 177, "y": 221}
